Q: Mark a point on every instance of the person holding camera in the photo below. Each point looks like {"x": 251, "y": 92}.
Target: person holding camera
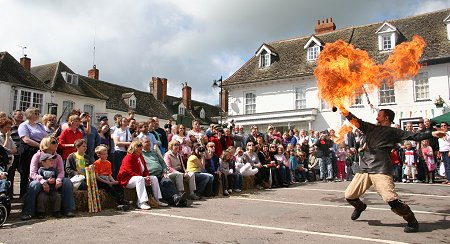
{"x": 196, "y": 165}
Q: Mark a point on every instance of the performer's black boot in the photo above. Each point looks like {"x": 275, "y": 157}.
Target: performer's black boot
{"x": 359, "y": 207}
{"x": 403, "y": 210}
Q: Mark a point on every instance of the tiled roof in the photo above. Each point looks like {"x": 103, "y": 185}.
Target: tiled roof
{"x": 210, "y": 110}
{"x": 146, "y": 103}
{"x": 291, "y": 61}
{"x": 12, "y": 71}
{"x": 51, "y": 74}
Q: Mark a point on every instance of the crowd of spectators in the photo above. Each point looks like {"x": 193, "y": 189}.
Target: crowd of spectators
{"x": 158, "y": 161}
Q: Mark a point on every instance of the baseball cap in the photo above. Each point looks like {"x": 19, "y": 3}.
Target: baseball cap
{"x": 46, "y": 156}
{"x": 103, "y": 118}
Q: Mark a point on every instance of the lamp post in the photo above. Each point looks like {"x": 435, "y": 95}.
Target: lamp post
{"x": 216, "y": 84}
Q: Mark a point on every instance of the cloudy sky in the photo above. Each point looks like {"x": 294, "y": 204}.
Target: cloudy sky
{"x": 193, "y": 41}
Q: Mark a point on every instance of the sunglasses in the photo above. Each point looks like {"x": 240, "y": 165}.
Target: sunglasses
{"x": 37, "y": 113}
{"x": 54, "y": 142}
{"x": 139, "y": 145}
{"x": 181, "y": 128}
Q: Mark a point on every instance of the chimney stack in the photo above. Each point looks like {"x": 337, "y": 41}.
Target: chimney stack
{"x": 25, "y": 62}
{"x": 94, "y": 73}
{"x": 158, "y": 88}
{"x": 187, "y": 96}
{"x": 324, "y": 26}
{"x": 224, "y": 100}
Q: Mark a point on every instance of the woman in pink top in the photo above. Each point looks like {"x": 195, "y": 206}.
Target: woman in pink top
{"x": 427, "y": 153}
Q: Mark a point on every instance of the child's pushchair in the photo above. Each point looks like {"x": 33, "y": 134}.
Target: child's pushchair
{"x": 5, "y": 201}
{"x": 5, "y": 207}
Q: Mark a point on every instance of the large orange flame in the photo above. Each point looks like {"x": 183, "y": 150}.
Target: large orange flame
{"x": 343, "y": 71}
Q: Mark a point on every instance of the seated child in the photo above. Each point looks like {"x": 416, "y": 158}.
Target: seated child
{"x": 77, "y": 162}
{"x": 103, "y": 171}
{"x": 4, "y": 183}
{"x": 49, "y": 192}
{"x": 227, "y": 172}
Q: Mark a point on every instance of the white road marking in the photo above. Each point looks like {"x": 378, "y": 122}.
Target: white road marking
{"x": 270, "y": 228}
{"x": 335, "y": 206}
{"x": 367, "y": 192}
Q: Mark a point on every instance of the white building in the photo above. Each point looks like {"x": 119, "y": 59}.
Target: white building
{"x": 277, "y": 85}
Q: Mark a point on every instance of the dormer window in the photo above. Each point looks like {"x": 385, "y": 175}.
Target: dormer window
{"x": 265, "y": 60}
{"x": 312, "y": 48}
{"x": 447, "y": 22}
{"x": 313, "y": 52}
{"x": 70, "y": 78}
{"x": 132, "y": 102}
{"x": 266, "y": 55}
{"x": 181, "y": 109}
{"x": 130, "y": 99}
{"x": 202, "y": 113}
{"x": 387, "y": 37}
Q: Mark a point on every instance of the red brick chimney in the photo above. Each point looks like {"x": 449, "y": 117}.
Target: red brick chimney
{"x": 224, "y": 100}
{"x": 187, "y": 96}
{"x": 158, "y": 88}
{"x": 324, "y": 26}
{"x": 94, "y": 73}
{"x": 25, "y": 62}
{"x": 164, "y": 90}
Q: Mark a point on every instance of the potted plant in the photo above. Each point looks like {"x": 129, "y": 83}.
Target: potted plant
{"x": 439, "y": 102}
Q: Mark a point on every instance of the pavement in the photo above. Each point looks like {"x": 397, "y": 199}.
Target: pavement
{"x": 303, "y": 213}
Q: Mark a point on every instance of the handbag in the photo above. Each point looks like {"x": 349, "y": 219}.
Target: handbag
{"x": 76, "y": 180}
{"x": 441, "y": 171}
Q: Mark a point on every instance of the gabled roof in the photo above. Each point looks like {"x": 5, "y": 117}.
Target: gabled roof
{"x": 314, "y": 39}
{"x": 13, "y": 72}
{"x": 51, "y": 74}
{"x": 292, "y": 59}
{"x": 146, "y": 103}
{"x": 127, "y": 95}
{"x": 386, "y": 27}
{"x": 267, "y": 48}
{"x": 211, "y": 111}
{"x": 447, "y": 20}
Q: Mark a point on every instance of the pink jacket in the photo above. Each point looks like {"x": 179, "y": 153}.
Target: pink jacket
{"x": 36, "y": 164}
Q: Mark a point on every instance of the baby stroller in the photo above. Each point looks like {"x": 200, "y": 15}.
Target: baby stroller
{"x": 5, "y": 201}
{"x": 5, "y": 207}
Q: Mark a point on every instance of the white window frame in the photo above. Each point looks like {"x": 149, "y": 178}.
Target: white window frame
{"x": 70, "y": 106}
{"x": 132, "y": 102}
{"x": 386, "y": 42}
{"x": 421, "y": 87}
{"x": 386, "y": 94}
{"x": 202, "y": 114}
{"x": 358, "y": 101}
{"x": 265, "y": 60}
{"x": 249, "y": 103}
{"x": 70, "y": 78}
{"x": 313, "y": 52}
{"x": 88, "y": 108}
{"x": 299, "y": 97}
{"x": 36, "y": 100}
{"x": 181, "y": 109}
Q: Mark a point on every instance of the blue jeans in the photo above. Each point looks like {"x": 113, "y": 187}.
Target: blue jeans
{"x": 117, "y": 162}
{"x": 67, "y": 199}
{"x": 326, "y": 167}
{"x": 204, "y": 182}
{"x": 238, "y": 179}
{"x": 446, "y": 161}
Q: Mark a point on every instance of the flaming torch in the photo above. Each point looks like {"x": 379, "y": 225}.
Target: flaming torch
{"x": 344, "y": 72}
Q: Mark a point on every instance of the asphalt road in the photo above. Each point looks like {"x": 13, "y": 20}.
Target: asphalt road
{"x": 304, "y": 213}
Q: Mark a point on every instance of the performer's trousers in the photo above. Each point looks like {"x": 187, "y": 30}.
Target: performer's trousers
{"x": 383, "y": 184}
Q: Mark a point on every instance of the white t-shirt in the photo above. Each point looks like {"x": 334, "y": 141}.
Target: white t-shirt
{"x": 122, "y": 136}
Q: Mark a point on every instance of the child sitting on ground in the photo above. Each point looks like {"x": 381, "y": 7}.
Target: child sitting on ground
{"x": 410, "y": 162}
{"x": 105, "y": 180}
{"x": 49, "y": 192}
